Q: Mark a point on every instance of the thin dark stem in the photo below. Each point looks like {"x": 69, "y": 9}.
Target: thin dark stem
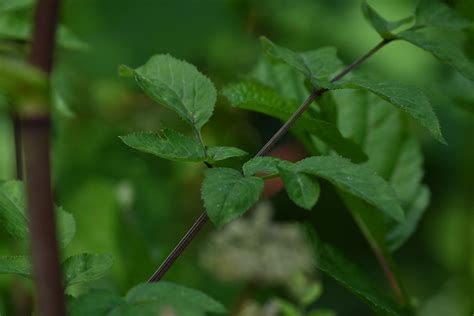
{"x": 36, "y": 131}
{"x": 184, "y": 242}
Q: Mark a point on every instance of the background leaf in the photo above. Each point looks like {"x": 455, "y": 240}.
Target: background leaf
{"x": 336, "y": 265}
{"x": 227, "y": 194}
{"x": 12, "y": 208}
{"x": 85, "y": 268}
{"x": 15, "y": 265}
{"x": 409, "y": 99}
{"x": 316, "y": 65}
{"x": 381, "y": 25}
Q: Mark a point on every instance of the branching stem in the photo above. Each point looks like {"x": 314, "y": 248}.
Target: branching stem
{"x": 203, "y": 218}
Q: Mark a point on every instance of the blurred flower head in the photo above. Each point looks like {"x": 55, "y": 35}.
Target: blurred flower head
{"x": 258, "y": 250}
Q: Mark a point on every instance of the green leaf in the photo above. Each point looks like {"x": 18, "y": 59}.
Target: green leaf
{"x": 382, "y": 26}
{"x": 185, "y": 300}
{"x": 85, "y": 268}
{"x": 255, "y": 97}
{"x": 409, "y": 99}
{"x": 267, "y": 165}
{"x": 178, "y": 86}
{"x": 316, "y": 65}
{"x": 96, "y": 303}
{"x": 224, "y": 152}
{"x": 356, "y": 180}
{"x": 443, "y": 50}
{"x": 13, "y": 214}
{"x": 301, "y": 189}
{"x": 399, "y": 233}
{"x": 66, "y": 227}
{"x": 167, "y": 144}
{"x": 8, "y": 6}
{"x": 18, "y": 265}
{"x": 336, "y": 265}
{"x": 286, "y": 308}
{"x": 227, "y": 194}
{"x": 438, "y": 14}
{"x": 12, "y": 207}
{"x": 20, "y": 27}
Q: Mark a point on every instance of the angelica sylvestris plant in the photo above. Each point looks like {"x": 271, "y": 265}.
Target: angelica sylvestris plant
{"x": 356, "y": 127}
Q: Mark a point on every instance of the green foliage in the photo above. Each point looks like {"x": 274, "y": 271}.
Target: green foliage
{"x": 227, "y": 194}
{"x": 267, "y": 165}
{"x": 443, "y": 50}
{"x": 178, "y": 86}
{"x": 85, "y": 268}
{"x": 382, "y": 26}
{"x": 167, "y": 144}
{"x": 301, "y": 188}
{"x": 409, "y": 99}
{"x": 316, "y": 65}
{"x": 13, "y": 214}
{"x": 172, "y": 145}
{"x": 356, "y": 180}
{"x": 18, "y": 265}
{"x": 336, "y": 265}
{"x": 224, "y": 152}
{"x": 435, "y": 13}
{"x": 254, "y": 97}
{"x": 147, "y": 300}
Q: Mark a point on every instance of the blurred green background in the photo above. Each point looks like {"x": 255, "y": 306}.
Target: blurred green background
{"x": 136, "y": 207}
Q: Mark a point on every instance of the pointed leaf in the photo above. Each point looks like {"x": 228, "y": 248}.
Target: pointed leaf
{"x": 341, "y": 269}
{"x": 436, "y": 13}
{"x": 356, "y": 180}
{"x": 167, "y": 144}
{"x": 16, "y": 265}
{"x": 254, "y": 97}
{"x": 301, "y": 189}
{"x": 224, "y": 152}
{"x": 382, "y": 26}
{"x": 178, "y": 86}
{"x": 443, "y": 50}
{"x": 409, "y": 99}
{"x": 85, "y": 267}
{"x": 66, "y": 227}
{"x": 316, "y": 65}
{"x": 227, "y": 194}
